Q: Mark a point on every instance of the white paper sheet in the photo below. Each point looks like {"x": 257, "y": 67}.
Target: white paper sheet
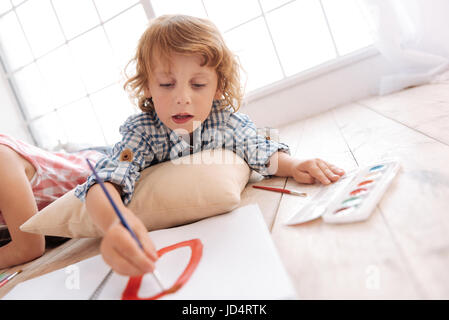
{"x": 239, "y": 261}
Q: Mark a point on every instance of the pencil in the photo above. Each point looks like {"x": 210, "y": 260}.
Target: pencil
{"x": 281, "y": 190}
{"x": 5, "y": 280}
{"x": 122, "y": 218}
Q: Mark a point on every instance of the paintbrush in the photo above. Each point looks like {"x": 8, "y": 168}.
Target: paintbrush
{"x": 122, "y": 218}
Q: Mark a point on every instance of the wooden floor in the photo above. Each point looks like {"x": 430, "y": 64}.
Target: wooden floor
{"x": 401, "y": 251}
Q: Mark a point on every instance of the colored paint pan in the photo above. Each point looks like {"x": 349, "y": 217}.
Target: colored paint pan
{"x": 377, "y": 168}
{"x": 358, "y": 192}
{"x": 365, "y": 183}
{"x": 344, "y": 210}
{"x": 358, "y": 198}
{"x": 352, "y": 201}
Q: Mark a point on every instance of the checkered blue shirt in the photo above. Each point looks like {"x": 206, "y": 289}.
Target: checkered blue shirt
{"x": 151, "y": 142}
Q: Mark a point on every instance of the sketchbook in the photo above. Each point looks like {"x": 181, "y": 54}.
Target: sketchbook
{"x": 230, "y": 256}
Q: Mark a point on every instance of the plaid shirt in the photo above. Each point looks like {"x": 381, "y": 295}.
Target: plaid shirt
{"x": 147, "y": 141}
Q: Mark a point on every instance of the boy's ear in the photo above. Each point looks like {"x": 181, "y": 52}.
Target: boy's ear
{"x": 218, "y": 94}
{"x": 147, "y": 92}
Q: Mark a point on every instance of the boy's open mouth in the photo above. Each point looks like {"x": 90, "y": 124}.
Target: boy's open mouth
{"x": 181, "y": 117}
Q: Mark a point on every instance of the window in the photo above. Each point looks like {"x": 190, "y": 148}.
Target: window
{"x": 64, "y": 58}
{"x": 66, "y": 72}
{"x": 276, "y": 39}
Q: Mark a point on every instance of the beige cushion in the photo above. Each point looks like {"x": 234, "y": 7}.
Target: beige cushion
{"x": 168, "y": 194}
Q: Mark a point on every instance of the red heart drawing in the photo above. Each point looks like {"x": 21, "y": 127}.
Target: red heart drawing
{"x": 133, "y": 286}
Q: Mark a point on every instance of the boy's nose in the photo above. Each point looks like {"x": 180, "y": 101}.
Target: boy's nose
{"x": 183, "y": 97}
{"x": 182, "y": 101}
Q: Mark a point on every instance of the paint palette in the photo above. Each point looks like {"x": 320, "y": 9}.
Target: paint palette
{"x": 352, "y": 198}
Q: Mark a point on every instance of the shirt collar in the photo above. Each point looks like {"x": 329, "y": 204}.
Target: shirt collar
{"x": 179, "y": 142}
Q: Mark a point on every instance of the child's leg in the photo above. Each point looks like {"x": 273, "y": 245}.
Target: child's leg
{"x": 17, "y": 205}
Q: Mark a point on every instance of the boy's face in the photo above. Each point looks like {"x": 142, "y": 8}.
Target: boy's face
{"x": 183, "y": 95}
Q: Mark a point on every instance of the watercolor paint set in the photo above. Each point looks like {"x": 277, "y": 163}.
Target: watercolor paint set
{"x": 352, "y": 198}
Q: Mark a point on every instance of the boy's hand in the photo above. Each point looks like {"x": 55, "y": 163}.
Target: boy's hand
{"x": 315, "y": 169}
{"x": 122, "y": 252}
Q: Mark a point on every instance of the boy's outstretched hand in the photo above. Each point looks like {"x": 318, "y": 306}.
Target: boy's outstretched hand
{"x": 309, "y": 171}
{"x": 122, "y": 253}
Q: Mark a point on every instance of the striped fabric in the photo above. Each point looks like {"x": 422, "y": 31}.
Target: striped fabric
{"x": 56, "y": 172}
{"x": 147, "y": 141}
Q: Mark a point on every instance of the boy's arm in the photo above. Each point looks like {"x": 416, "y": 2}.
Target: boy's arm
{"x": 281, "y": 164}
{"x": 256, "y": 149}
{"x": 99, "y": 208}
{"x": 304, "y": 171}
{"x": 118, "y": 248}
{"x": 127, "y": 159}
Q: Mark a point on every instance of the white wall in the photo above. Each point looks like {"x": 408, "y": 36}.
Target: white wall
{"x": 11, "y": 120}
{"x": 350, "y": 79}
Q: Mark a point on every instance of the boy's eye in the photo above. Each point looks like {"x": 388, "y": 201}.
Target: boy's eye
{"x": 198, "y": 85}
{"x": 166, "y": 84}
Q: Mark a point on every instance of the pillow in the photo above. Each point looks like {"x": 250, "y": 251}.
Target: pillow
{"x": 168, "y": 194}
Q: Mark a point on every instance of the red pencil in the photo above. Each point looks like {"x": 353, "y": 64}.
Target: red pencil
{"x": 281, "y": 190}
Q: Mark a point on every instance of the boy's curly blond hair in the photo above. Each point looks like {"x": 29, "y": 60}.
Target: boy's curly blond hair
{"x": 184, "y": 35}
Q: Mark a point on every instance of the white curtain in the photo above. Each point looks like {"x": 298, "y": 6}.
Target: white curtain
{"x": 413, "y": 35}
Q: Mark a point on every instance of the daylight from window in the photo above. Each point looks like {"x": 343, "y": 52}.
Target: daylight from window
{"x": 64, "y": 59}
